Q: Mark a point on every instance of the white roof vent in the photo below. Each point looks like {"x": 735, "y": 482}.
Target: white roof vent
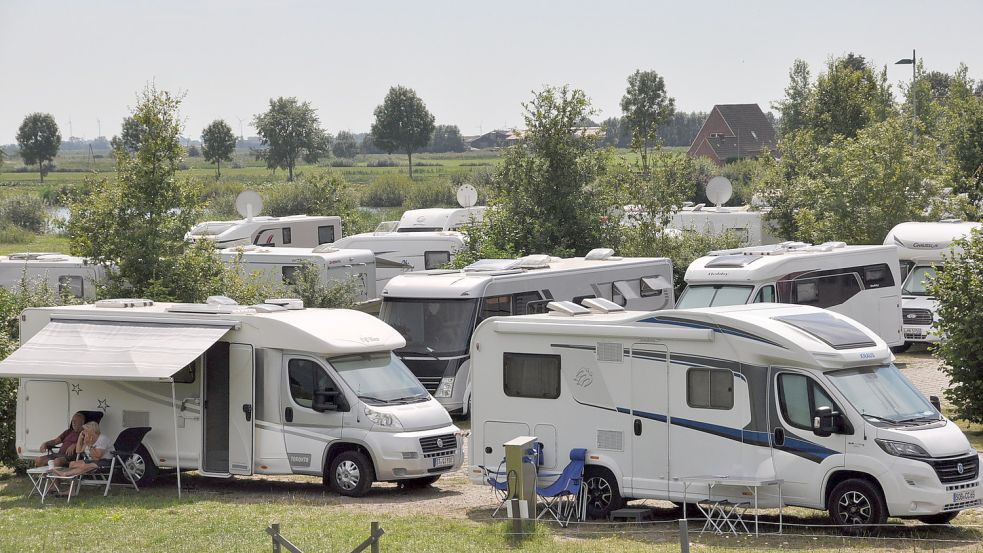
{"x": 835, "y": 245}
{"x": 698, "y": 207}
{"x": 267, "y": 308}
{"x": 293, "y": 304}
{"x": 566, "y": 308}
{"x": 539, "y": 261}
{"x": 601, "y": 305}
{"x": 386, "y": 227}
{"x": 599, "y": 254}
{"x": 221, "y": 300}
{"x": 208, "y": 309}
{"x": 124, "y": 302}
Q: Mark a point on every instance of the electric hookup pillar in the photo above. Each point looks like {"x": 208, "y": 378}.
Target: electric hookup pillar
{"x": 520, "y": 470}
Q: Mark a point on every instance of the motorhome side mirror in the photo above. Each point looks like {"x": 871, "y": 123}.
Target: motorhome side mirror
{"x": 934, "y": 400}
{"x": 824, "y": 421}
{"x": 327, "y": 400}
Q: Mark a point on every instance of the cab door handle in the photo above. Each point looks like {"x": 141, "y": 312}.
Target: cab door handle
{"x": 247, "y": 410}
{"x": 638, "y": 427}
{"x": 288, "y": 414}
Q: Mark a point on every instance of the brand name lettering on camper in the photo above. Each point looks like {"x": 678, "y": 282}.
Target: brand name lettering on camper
{"x": 718, "y": 273}
{"x": 368, "y": 339}
{"x": 867, "y": 355}
{"x": 299, "y": 459}
{"x": 926, "y": 245}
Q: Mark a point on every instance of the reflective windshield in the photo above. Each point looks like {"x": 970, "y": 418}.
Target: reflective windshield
{"x": 443, "y": 326}
{"x": 916, "y": 281}
{"x": 883, "y": 393}
{"x": 210, "y": 229}
{"x": 379, "y": 378}
{"x": 712, "y": 295}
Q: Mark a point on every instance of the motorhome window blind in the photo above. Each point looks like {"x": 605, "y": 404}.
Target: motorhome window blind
{"x": 496, "y": 306}
{"x": 325, "y": 234}
{"x": 531, "y": 375}
{"x": 286, "y": 235}
{"x": 710, "y": 388}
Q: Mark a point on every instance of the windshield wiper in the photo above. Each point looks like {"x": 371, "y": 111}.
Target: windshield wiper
{"x": 923, "y": 418}
{"x": 411, "y": 399}
{"x": 883, "y": 419}
{"x": 371, "y": 398}
{"x": 428, "y": 353}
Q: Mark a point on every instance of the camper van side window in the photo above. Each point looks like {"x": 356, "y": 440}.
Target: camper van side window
{"x": 306, "y": 377}
{"x": 289, "y": 273}
{"x": 325, "y": 234}
{"x": 286, "y": 235}
{"x": 798, "y": 397}
{"x": 825, "y": 291}
{"x": 521, "y": 301}
{"x": 436, "y": 260}
{"x": 650, "y": 286}
{"x": 531, "y": 375}
{"x": 878, "y": 276}
{"x": 765, "y": 295}
{"x": 710, "y": 388}
{"x": 496, "y": 306}
{"x": 70, "y": 284}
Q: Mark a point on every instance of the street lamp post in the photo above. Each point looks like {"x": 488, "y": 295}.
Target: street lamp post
{"x": 914, "y": 96}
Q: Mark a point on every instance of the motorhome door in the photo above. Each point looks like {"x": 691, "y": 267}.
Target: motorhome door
{"x": 241, "y": 405}
{"x": 227, "y": 411}
{"x": 649, "y": 414}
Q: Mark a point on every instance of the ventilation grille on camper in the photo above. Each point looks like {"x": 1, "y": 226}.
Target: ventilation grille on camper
{"x": 610, "y": 351}
{"x": 133, "y": 419}
{"x": 612, "y": 440}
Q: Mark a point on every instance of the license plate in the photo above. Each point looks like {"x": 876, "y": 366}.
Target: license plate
{"x": 959, "y": 497}
{"x": 444, "y": 461}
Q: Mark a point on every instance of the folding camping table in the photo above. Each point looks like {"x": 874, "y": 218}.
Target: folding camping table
{"x": 722, "y": 514}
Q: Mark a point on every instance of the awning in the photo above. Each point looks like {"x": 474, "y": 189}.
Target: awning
{"x": 111, "y": 350}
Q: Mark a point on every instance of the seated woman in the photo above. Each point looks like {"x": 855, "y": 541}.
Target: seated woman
{"x": 67, "y": 439}
{"x": 93, "y": 449}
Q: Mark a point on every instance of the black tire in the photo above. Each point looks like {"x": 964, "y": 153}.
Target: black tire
{"x": 857, "y": 504}
{"x": 350, "y": 474}
{"x": 142, "y": 466}
{"x": 603, "y": 495}
{"x": 902, "y": 348}
{"x": 418, "y": 483}
{"x": 939, "y": 518}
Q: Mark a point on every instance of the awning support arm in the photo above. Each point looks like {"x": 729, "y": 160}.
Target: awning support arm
{"x": 177, "y": 452}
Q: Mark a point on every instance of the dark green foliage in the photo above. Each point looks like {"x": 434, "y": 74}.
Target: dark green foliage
{"x": 344, "y": 145}
{"x": 447, "y": 138}
{"x": 218, "y": 143}
{"x": 25, "y": 211}
{"x": 290, "y": 131}
{"x": 130, "y": 137}
{"x": 431, "y": 194}
{"x": 382, "y": 163}
{"x": 402, "y": 123}
{"x": 649, "y": 241}
{"x": 646, "y": 105}
{"x": 388, "y": 190}
{"x": 957, "y": 287}
{"x": 193, "y": 151}
{"x": 309, "y": 287}
{"x": 343, "y": 162}
{"x": 38, "y": 139}
{"x": 321, "y": 194}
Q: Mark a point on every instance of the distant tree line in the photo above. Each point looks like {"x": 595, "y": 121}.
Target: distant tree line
{"x": 678, "y": 131}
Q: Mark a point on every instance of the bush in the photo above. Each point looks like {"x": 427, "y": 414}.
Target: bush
{"x": 26, "y": 211}
{"x": 56, "y": 194}
{"x": 428, "y": 164}
{"x": 382, "y": 195}
{"x": 342, "y": 162}
{"x": 648, "y": 240}
{"x": 382, "y": 163}
{"x": 315, "y": 293}
{"x": 319, "y": 194}
{"x": 12, "y": 234}
{"x": 957, "y": 287}
{"x": 432, "y": 194}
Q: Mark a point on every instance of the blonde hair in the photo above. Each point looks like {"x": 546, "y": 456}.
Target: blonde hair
{"x": 92, "y": 426}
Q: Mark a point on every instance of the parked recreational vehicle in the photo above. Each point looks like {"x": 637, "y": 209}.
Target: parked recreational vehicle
{"x": 280, "y": 265}
{"x": 229, "y": 389}
{"x": 76, "y": 276}
{"x": 763, "y": 392}
{"x": 296, "y": 231}
{"x": 439, "y": 218}
{"x": 436, "y": 311}
{"x": 746, "y": 223}
{"x": 401, "y": 252}
{"x": 861, "y": 282}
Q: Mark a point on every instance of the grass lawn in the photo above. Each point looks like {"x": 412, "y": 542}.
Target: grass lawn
{"x": 40, "y": 243}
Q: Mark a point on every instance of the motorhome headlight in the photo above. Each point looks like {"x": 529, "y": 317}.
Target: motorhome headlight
{"x": 901, "y": 449}
{"x": 446, "y": 387}
{"x": 382, "y": 419}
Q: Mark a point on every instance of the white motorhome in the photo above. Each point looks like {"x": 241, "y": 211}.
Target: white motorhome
{"x": 921, "y": 247}
{"x": 436, "y": 311}
{"x": 296, "y": 231}
{"x": 766, "y": 392}
{"x": 235, "y": 390}
{"x": 745, "y": 222}
{"x": 861, "y": 282}
{"x": 280, "y": 265}
{"x": 401, "y": 252}
{"x": 75, "y": 276}
{"x": 439, "y": 218}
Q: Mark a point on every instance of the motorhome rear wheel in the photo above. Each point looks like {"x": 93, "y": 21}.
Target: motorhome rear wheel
{"x": 857, "y": 506}
{"x": 603, "y": 495}
{"x": 142, "y": 467}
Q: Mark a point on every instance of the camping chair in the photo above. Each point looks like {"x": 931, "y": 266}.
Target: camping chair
{"x": 124, "y": 447}
{"x": 564, "y": 497}
{"x": 498, "y": 479}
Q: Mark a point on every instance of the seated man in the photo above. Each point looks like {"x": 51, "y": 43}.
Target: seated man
{"x": 93, "y": 448}
{"x": 67, "y": 439}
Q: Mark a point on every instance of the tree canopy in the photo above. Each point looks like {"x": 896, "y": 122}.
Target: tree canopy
{"x": 38, "y": 140}
{"x": 646, "y": 105}
{"x": 218, "y": 144}
{"x": 447, "y": 138}
{"x": 344, "y": 145}
{"x": 402, "y": 123}
{"x": 290, "y": 130}
{"x": 130, "y": 136}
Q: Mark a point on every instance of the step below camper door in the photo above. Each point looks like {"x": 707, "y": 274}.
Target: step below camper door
{"x": 649, "y": 416}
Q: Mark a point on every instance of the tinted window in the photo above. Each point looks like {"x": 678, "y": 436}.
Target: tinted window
{"x": 531, "y": 375}
{"x": 710, "y": 388}
{"x": 305, "y": 378}
{"x": 436, "y": 260}
{"x": 535, "y": 307}
{"x": 70, "y": 284}
{"x": 286, "y": 235}
{"x": 765, "y": 295}
{"x": 798, "y": 398}
{"x": 878, "y": 276}
{"x": 325, "y": 235}
{"x": 521, "y": 301}
{"x": 289, "y": 273}
{"x": 825, "y": 291}
{"x": 496, "y": 306}
{"x": 837, "y": 333}
{"x": 713, "y": 295}
{"x": 652, "y": 286}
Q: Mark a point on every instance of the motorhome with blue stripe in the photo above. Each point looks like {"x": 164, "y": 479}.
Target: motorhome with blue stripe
{"x": 770, "y": 391}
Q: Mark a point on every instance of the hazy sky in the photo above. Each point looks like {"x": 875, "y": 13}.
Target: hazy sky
{"x": 472, "y": 63}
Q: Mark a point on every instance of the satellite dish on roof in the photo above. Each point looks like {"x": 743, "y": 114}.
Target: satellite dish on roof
{"x": 719, "y": 190}
{"x": 467, "y": 195}
{"x": 249, "y": 204}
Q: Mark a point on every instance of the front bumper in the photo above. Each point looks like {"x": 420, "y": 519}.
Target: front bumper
{"x": 402, "y": 455}
{"x": 913, "y": 489}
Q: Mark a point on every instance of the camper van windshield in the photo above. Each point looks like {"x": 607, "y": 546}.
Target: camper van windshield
{"x": 882, "y": 394}
{"x": 379, "y": 378}
{"x": 917, "y": 278}
{"x": 713, "y": 295}
{"x": 210, "y": 229}
{"x": 434, "y": 327}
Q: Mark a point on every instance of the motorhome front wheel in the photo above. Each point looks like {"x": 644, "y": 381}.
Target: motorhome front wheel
{"x": 350, "y": 474}
{"x": 414, "y": 483}
{"x": 857, "y": 506}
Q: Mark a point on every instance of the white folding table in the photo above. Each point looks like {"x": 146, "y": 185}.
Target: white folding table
{"x": 37, "y": 476}
{"x": 723, "y": 515}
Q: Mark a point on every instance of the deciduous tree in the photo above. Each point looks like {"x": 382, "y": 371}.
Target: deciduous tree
{"x": 646, "y": 105}
{"x": 344, "y": 145}
{"x": 130, "y": 136}
{"x": 794, "y": 109}
{"x": 447, "y": 138}
{"x": 38, "y": 140}
{"x": 291, "y": 130}
{"x": 218, "y": 144}
{"x": 402, "y": 123}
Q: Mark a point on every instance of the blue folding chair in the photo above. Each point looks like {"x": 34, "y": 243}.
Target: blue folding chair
{"x": 566, "y": 497}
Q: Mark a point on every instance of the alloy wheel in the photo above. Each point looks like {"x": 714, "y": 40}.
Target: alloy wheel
{"x": 599, "y": 493}
{"x": 854, "y": 508}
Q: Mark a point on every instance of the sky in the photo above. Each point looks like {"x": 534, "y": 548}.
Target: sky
{"x": 472, "y": 63}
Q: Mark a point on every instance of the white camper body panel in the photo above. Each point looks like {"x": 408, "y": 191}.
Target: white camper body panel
{"x": 402, "y": 252}
{"x": 437, "y": 219}
{"x": 921, "y": 247}
{"x": 278, "y": 265}
{"x": 660, "y": 397}
{"x": 295, "y": 231}
{"x": 76, "y": 276}
{"x": 438, "y": 310}
{"x": 749, "y": 224}
{"x": 861, "y": 282}
{"x": 238, "y": 408}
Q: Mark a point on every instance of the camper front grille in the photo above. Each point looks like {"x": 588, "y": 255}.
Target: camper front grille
{"x": 921, "y": 317}
{"x": 960, "y": 469}
{"x": 438, "y": 443}
{"x": 430, "y": 382}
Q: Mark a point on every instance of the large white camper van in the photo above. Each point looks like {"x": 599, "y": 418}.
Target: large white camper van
{"x": 744, "y": 222}
{"x": 280, "y": 265}
{"x": 861, "y": 282}
{"x": 401, "y": 252}
{"x": 764, "y": 392}
{"x": 439, "y": 218}
{"x": 229, "y": 389}
{"x": 921, "y": 247}
{"x": 75, "y": 276}
{"x": 436, "y": 311}
{"x": 295, "y": 231}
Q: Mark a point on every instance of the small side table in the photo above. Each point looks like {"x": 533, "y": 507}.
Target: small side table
{"x": 37, "y": 476}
